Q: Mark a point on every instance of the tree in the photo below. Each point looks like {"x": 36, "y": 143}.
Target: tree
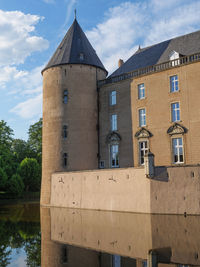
{"x": 16, "y": 185}
{"x": 30, "y": 172}
{"x": 21, "y": 150}
{"x": 6, "y": 134}
{"x": 35, "y": 139}
{"x": 3, "y": 179}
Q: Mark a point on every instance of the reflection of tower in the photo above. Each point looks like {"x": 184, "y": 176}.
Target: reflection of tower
{"x": 70, "y": 138}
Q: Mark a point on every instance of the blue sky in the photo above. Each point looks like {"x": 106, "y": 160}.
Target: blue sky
{"x": 32, "y": 29}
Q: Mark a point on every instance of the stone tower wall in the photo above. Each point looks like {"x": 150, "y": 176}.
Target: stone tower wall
{"x": 79, "y": 114}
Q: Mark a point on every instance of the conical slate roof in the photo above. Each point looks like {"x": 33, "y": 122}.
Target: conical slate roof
{"x": 75, "y": 49}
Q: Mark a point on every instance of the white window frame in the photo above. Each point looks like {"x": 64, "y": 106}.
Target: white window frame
{"x": 178, "y": 147}
{"x": 113, "y": 98}
{"x": 141, "y": 91}
{"x": 175, "y": 108}
{"x": 114, "y": 155}
{"x": 144, "y": 149}
{"x": 142, "y": 117}
{"x": 175, "y": 58}
{"x": 114, "y": 122}
{"x": 174, "y": 84}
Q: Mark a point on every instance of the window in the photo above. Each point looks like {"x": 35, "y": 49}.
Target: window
{"x": 102, "y": 164}
{"x": 114, "y": 122}
{"x": 141, "y": 91}
{"x": 64, "y": 255}
{"x": 174, "y": 57}
{"x": 174, "y": 83}
{"x": 142, "y": 117}
{"x": 65, "y": 159}
{"x": 143, "y": 149}
{"x": 81, "y": 56}
{"x": 177, "y": 147}
{"x": 65, "y": 131}
{"x": 65, "y": 96}
{"x": 113, "y": 98}
{"x": 114, "y": 156}
{"x": 116, "y": 260}
{"x": 175, "y": 111}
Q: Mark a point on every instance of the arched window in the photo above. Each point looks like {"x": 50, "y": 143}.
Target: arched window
{"x": 65, "y": 96}
{"x": 65, "y": 159}
{"x": 65, "y": 131}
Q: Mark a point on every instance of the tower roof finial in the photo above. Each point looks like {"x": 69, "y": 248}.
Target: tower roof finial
{"x": 75, "y": 13}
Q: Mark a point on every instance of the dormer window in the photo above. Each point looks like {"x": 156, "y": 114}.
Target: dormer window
{"x": 174, "y": 57}
{"x": 81, "y": 56}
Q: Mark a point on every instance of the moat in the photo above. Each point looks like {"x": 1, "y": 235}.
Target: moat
{"x": 53, "y": 237}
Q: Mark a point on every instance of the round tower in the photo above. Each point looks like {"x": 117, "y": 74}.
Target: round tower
{"x": 70, "y": 108}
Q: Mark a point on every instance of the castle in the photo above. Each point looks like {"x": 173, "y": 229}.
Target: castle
{"x": 97, "y": 129}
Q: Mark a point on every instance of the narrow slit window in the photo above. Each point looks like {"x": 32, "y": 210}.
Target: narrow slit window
{"x": 65, "y": 96}
{"x": 65, "y": 131}
{"x": 65, "y": 159}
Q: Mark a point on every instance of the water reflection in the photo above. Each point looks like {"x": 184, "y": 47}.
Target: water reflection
{"x": 96, "y": 238}
{"x": 20, "y": 241}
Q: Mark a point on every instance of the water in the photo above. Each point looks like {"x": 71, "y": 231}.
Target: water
{"x": 76, "y": 238}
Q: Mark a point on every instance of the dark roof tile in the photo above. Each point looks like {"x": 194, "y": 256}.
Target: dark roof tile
{"x": 74, "y": 45}
{"x": 185, "y": 45}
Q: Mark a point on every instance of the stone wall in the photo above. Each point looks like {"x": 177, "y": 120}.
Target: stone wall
{"x": 172, "y": 190}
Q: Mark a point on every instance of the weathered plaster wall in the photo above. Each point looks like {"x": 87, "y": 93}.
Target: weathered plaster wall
{"x": 79, "y": 114}
{"x": 111, "y": 189}
{"x": 173, "y": 190}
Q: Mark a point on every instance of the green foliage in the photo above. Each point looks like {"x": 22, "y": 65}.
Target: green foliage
{"x": 35, "y": 139}
{"x": 21, "y": 150}
{"x": 30, "y": 172}
{"x": 20, "y": 161}
{"x": 3, "y": 179}
{"x": 5, "y": 134}
{"x": 16, "y": 185}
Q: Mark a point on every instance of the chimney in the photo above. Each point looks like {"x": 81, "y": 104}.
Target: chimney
{"x": 120, "y": 62}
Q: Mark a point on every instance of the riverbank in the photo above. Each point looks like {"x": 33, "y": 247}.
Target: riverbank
{"x": 28, "y": 197}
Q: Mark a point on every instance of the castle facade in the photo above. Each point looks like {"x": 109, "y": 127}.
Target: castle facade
{"x": 150, "y": 103}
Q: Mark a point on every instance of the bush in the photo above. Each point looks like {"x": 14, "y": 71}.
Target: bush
{"x": 30, "y": 172}
{"x": 16, "y": 185}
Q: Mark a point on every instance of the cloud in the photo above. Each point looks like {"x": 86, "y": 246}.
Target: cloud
{"x": 29, "y": 108}
{"x": 17, "y": 39}
{"x": 8, "y": 74}
{"x": 144, "y": 23}
{"x": 70, "y": 5}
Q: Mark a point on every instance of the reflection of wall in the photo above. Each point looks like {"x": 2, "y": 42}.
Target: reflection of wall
{"x": 58, "y": 254}
{"x": 173, "y": 190}
{"x": 174, "y": 238}
{"x": 115, "y": 233}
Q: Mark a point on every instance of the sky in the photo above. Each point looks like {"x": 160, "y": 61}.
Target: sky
{"x": 31, "y": 30}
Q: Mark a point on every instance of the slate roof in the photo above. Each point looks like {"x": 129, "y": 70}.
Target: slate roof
{"x": 73, "y": 44}
{"x": 185, "y": 45}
